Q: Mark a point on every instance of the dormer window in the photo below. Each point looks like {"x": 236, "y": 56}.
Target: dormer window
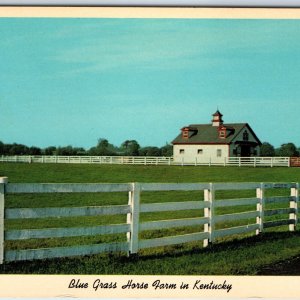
{"x": 222, "y": 134}
{"x": 185, "y": 134}
{"x": 188, "y": 131}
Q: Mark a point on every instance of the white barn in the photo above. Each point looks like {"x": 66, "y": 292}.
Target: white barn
{"x": 215, "y": 141}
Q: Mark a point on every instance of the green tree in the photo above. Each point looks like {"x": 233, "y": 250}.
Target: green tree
{"x": 267, "y": 149}
{"x": 1, "y": 148}
{"x": 167, "y": 150}
{"x": 79, "y": 151}
{"x": 6, "y": 149}
{"x": 130, "y": 147}
{"x": 35, "y": 151}
{"x": 150, "y": 151}
{"x": 51, "y": 150}
{"x": 18, "y": 149}
{"x": 103, "y": 148}
{"x": 288, "y": 149}
{"x": 67, "y": 151}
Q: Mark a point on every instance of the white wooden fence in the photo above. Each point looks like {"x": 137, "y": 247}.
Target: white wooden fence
{"x": 133, "y": 210}
{"x": 151, "y": 160}
{"x": 123, "y": 160}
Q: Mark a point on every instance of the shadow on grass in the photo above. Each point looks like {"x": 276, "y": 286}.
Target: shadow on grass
{"x": 155, "y": 259}
{"x": 288, "y": 267}
{"x": 220, "y": 246}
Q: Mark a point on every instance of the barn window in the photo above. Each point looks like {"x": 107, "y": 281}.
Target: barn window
{"x": 219, "y": 152}
{"x": 222, "y": 134}
{"x": 181, "y": 151}
{"x": 200, "y": 151}
{"x": 245, "y": 136}
{"x": 185, "y": 134}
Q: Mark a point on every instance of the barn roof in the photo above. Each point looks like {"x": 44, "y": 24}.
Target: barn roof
{"x": 208, "y": 134}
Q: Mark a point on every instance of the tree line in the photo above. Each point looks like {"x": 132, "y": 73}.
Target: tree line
{"x": 285, "y": 150}
{"x": 127, "y": 148}
{"x": 102, "y": 148}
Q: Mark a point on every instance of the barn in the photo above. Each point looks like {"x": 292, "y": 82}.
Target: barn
{"x": 215, "y": 141}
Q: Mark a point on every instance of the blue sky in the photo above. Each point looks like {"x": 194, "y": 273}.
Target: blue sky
{"x": 72, "y": 81}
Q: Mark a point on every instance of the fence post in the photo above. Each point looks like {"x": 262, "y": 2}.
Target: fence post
{"x": 272, "y": 162}
{"x": 3, "y": 181}
{"x": 294, "y": 205}
{"x": 133, "y": 218}
{"x": 260, "y": 208}
{"x": 209, "y": 196}
{"x": 129, "y": 217}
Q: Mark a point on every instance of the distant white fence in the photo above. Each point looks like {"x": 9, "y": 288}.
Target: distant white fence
{"x": 240, "y": 162}
{"x": 119, "y": 160}
{"x": 151, "y": 160}
{"x": 255, "y": 216}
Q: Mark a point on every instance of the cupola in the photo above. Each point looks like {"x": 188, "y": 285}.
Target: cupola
{"x": 217, "y": 119}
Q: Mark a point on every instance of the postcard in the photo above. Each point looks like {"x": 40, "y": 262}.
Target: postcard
{"x": 149, "y": 152}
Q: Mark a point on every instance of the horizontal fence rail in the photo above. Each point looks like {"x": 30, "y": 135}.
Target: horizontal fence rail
{"x": 210, "y": 225}
{"x": 65, "y": 232}
{"x": 156, "y": 160}
{"x": 66, "y": 188}
{"x": 15, "y": 255}
{"x": 37, "y": 213}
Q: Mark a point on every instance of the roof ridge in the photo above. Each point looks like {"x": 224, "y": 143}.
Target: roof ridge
{"x": 209, "y": 124}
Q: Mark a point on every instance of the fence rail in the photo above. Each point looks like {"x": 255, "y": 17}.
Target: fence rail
{"x": 255, "y": 212}
{"x": 156, "y": 160}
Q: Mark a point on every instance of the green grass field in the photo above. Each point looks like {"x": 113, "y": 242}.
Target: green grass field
{"x": 246, "y": 255}
{"x": 126, "y": 173}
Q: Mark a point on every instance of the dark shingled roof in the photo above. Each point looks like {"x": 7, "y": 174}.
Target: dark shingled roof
{"x": 208, "y": 134}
